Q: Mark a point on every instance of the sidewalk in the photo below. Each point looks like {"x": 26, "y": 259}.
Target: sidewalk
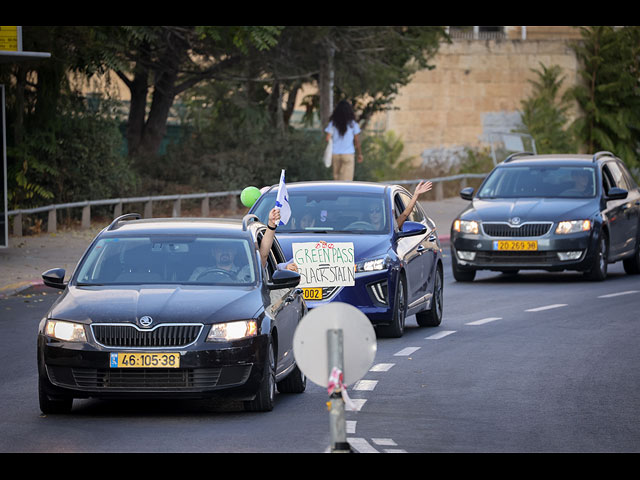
{"x": 22, "y": 263}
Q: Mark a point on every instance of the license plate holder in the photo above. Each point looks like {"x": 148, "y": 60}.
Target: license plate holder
{"x": 312, "y": 293}
{"x": 144, "y": 360}
{"x": 515, "y": 245}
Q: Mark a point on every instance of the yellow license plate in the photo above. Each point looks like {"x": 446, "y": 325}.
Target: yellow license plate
{"x": 515, "y": 245}
{"x": 145, "y": 360}
{"x": 312, "y": 293}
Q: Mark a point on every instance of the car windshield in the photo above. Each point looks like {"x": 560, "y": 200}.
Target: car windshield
{"x": 342, "y": 212}
{"x": 161, "y": 260}
{"x": 540, "y": 181}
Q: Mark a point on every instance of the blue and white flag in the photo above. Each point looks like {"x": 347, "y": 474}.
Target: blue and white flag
{"x": 282, "y": 201}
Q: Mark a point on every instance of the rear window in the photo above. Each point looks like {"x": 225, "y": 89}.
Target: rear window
{"x": 540, "y": 181}
{"x": 161, "y": 260}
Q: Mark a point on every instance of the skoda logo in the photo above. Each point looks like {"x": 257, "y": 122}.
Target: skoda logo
{"x": 515, "y": 220}
{"x": 145, "y": 321}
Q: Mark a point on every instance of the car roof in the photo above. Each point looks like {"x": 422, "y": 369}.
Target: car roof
{"x": 337, "y": 186}
{"x": 526, "y": 158}
{"x": 129, "y": 225}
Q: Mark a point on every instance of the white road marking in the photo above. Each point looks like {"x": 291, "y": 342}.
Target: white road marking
{"x": 438, "y": 336}
{"x": 382, "y": 367}
{"x": 358, "y": 403}
{"x": 406, "y": 351}
{"x": 484, "y": 320}
{"x": 394, "y": 450}
{"x": 365, "y": 385}
{"x": 384, "y": 442}
{"x": 546, "y": 307}
{"x": 618, "y": 294}
{"x": 351, "y": 426}
{"x": 361, "y": 445}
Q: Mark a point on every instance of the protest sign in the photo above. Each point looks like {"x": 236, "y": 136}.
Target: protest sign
{"x": 323, "y": 264}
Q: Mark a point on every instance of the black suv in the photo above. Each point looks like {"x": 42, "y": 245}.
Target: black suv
{"x": 172, "y": 308}
{"x": 550, "y": 212}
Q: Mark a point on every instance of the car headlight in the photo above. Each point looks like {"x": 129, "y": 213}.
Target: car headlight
{"x": 68, "y": 331}
{"x": 573, "y": 226}
{"x": 372, "y": 265}
{"x": 465, "y": 226}
{"x": 223, "y": 332}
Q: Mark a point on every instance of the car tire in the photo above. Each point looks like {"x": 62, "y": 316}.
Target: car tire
{"x": 632, "y": 264}
{"x": 295, "y": 382}
{"x": 396, "y": 328}
{"x": 461, "y": 275}
{"x": 598, "y": 271}
{"x": 433, "y": 316}
{"x": 52, "y": 405}
{"x": 265, "y": 397}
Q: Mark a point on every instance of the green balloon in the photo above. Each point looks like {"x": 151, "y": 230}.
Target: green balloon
{"x": 249, "y": 196}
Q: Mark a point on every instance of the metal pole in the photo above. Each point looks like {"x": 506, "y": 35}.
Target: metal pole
{"x": 337, "y": 423}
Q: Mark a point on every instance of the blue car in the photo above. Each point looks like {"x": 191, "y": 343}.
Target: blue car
{"x": 345, "y": 239}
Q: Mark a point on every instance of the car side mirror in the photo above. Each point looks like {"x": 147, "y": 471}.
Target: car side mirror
{"x": 283, "y": 279}
{"x": 616, "y": 193}
{"x": 410, "y": 229}
{"x": 54, "y": 278}
{"x": 467, "y": 193}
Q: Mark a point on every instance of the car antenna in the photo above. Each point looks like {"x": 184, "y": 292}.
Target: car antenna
{"x": 126, "y": 216}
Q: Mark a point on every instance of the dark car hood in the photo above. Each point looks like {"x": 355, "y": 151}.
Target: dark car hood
{"x": 163, "y": 303}
{"x": 529, "y": 209}
{"x": 364, "y": 246}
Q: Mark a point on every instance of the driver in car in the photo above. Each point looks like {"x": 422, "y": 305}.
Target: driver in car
{"x": 225, "y": 256}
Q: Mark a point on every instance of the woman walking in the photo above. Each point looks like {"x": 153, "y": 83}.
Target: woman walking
{"x": 344, "y": 131}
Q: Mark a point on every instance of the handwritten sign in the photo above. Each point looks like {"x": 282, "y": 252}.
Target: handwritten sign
{"x": 323, "y": 264}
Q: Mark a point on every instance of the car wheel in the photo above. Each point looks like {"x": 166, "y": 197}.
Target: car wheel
{"x": 461, "y": 275}
{"x": 265, "y": 398}
{"x": 295, "y": 382}
{"x": 632, "y": 264}
{"x": 433, "y": 317}
{"x": 52, "y": 405}
{"x": 598, "y": 271}
{"x": 396, "y": 328}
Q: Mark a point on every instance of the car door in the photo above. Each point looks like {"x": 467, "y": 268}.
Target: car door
{"x": 412, "y": 250}
{"x": 287, "y": 308}
{"x": 622, "y": 214}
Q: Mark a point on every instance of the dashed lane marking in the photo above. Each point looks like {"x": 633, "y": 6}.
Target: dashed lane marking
{"x": 381, "y": 367}
{"x": 439, "y": 335}
{"x": 628, "y": 292}
{"x": 405, "y": 352}
{"x": 546, "y": 307}
{"x": 484, "y": 320}
{"x": 367, "y": 385}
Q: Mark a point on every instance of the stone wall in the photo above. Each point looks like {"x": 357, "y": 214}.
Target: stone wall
{"x": 476, "y": 88}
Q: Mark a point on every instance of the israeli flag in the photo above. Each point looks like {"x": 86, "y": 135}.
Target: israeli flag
{"x": 282, "y": 201}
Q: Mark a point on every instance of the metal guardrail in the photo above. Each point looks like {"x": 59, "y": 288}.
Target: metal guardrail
{"x": 177, "y": 199}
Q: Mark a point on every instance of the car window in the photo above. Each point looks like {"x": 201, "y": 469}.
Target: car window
{"x": 162, "y": 259}
{"x": 416, "y": 214}
{"x": 617, "y": 175}
{"x": 328, "y": 211}
{"x": 540, "y": 181}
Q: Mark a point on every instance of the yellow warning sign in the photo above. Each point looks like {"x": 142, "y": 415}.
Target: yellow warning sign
{"x": 9, "y": 39}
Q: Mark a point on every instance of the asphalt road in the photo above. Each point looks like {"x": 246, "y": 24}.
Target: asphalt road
{"x": 535, "y": 362}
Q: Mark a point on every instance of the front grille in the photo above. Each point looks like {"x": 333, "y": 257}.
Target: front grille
{"x": 150, "y": 378}
{"x": 516, "y": 258}
{"x": 327, "y": 292}
{"x": 130, "y": 336}
{"x": 524, "y": 230}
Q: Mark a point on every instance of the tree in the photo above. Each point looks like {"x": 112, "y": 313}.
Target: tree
{"x": 609, "y": 96}
{"x": 167, "y": 61}
{"x": 544, "y": 113}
